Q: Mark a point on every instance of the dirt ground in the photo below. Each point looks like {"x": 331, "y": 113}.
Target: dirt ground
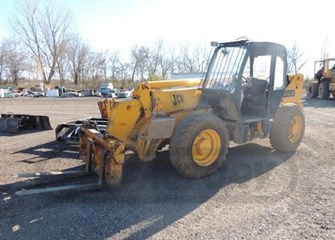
{"x": 258, "y": 193}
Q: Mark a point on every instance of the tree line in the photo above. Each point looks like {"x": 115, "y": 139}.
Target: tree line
{"x": 46, "y": 47}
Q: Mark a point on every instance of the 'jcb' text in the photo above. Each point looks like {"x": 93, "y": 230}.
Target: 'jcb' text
{"x": 177, "y": 99}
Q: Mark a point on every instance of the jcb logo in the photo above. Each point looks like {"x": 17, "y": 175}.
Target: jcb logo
{"x": 177, "y": 99}
{"x": 289, "y": 93}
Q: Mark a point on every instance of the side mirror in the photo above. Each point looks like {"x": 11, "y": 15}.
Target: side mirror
{"x": 214, "y": 44}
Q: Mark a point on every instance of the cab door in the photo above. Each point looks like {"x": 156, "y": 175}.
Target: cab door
{"x": 268, "y": 62}
{"x": 277, "y": 83}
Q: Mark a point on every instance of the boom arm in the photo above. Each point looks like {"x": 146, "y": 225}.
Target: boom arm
{"x": 140, "y": 124}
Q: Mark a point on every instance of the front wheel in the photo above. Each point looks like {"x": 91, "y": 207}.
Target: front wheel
{"x": 288, "y": 128}
{"x": 198, "y": 145}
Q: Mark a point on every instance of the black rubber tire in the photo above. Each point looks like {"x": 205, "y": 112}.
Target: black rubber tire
{"x": 182, "y": 141}
{"x": 279, "y": 133}
{"x": 313, "y": 90}
{"x": 324, "y": 90}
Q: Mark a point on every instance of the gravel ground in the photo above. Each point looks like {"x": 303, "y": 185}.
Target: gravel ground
{"x": 258, "y": 193}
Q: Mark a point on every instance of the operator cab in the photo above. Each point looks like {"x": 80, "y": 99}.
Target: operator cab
{"x": 245, "y": 80}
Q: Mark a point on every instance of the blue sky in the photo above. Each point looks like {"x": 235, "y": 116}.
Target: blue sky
{"x": 120, "y": 24}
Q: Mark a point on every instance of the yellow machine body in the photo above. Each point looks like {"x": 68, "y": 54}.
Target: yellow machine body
{"x": 141, "y": 123}
{"x": 294, "y": 89}
{"x": 245, "y": 94}
{"x": 147, "y": 120}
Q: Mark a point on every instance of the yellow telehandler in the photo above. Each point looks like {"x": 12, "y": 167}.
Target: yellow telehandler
{"x": 245, "y": 94}
{"x": 324, "y": 80}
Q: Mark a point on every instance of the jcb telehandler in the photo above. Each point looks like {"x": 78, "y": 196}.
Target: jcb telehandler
{"x": 324, "y": 82}
{"x": 245, "y": 94}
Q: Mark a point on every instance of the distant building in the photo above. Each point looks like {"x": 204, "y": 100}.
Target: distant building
{"x": 186, "y": 75}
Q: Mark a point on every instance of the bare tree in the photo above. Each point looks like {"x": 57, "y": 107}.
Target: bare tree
{"x": 2, "y": 60}
{"x": 13, "y": 60}
{"x": 200, "y": 57}
{"x": 78, "y": 55}
{"x": 116, "y": 67}
{"x": 153, "y": 63}
{"x": 139, "y": 59}
{"x": 191, "y": 59}
{"x": 167, "y": 62}
{"x": 295, "y": 59}
{"x": 124, "y": 73}
{"x": 324, "y": 50}
{"x": 44, "y": 28}
{"x": 98, "y": 67}
{"x": 184, "y": 61}
{"x": 103, "y": 60}
{"x": 88, "y": 69}
{"x": 16, "y": 60}
{"x": 167, "y": 66}
{"x": 63, "y": 63}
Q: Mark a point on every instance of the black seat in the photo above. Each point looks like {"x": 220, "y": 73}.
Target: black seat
{"x": 254, "y": 101}
{"x": 257, "y": 88}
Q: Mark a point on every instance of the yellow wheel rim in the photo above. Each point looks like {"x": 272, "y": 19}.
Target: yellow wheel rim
{"x": 206, "y": 147}
{"x": 294, "y": 129}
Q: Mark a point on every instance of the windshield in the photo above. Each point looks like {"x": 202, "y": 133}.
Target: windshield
{"x": 224, "y": 67}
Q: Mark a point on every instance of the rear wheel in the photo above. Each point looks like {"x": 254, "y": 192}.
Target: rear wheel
{"x": 288, "y": 128}
{"x": 313, "y": 90}
{"x": 199, "y": 145}
{"x": 324, "y": 90}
